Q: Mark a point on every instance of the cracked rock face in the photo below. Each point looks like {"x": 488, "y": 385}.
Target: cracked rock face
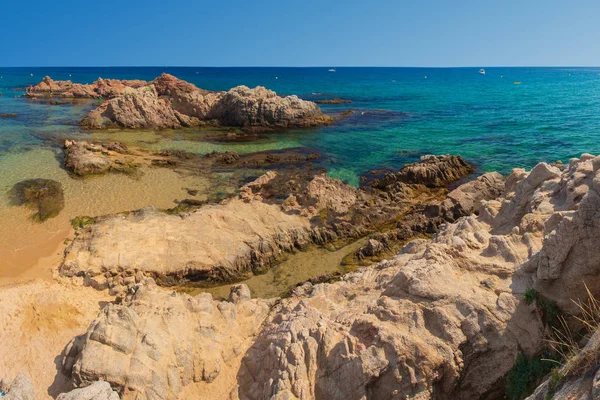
{"x": 157, "y": 342}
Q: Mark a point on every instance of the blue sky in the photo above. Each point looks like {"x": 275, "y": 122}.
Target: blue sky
{"x": 299, "y": 33}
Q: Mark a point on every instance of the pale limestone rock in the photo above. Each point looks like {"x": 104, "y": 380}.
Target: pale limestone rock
{"x": 157, "y": 342}
{"x": 19, "y": 388}
{"x": 96, "y": 391}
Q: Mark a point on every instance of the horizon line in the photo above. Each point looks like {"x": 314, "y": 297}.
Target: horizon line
{"x": 306, "y": 66}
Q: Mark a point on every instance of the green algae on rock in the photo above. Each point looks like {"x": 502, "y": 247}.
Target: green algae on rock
{"x": 44, "y": 195}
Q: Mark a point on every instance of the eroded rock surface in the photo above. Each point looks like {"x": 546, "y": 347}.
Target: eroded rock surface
{"x": 445, "y": 318}
{"x": 157, "y": 342}
{"x": 430, "y": 171}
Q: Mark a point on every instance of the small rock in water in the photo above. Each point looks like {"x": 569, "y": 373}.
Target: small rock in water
{"x": 44, "y": 195}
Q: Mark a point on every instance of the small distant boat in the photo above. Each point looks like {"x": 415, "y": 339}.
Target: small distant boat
{"x": 482, "y": 71}
{"x": 517, "y": 83}
{"x": 331, "y": 69}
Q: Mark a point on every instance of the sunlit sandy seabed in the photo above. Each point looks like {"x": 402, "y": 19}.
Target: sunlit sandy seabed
{"x": 23, "y": 242}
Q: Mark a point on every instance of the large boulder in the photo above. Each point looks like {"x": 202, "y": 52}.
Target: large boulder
{"x": 137, "y": 108}
{"x": 260, "y": 107}
{"x": 431, "y": 171}
{"x": 157, "y": 342}
{"x": 185, "y": 97}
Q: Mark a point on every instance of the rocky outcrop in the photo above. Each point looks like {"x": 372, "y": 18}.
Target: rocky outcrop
{"x": 170, "y": 103}
{"x": 19, "y": 388}
{"x": 96, "y": 391}
{"x": 102, "y": 88}
{"x": 431, "y": 171}
{"x": 445, "y": 318}
{"x": 273, "y": 215}
{"x": 137, "y": 109}
{"x": 157, "y": 342}
{"x": 216, "y": 242}
{"x": 263, "y": 108}
{"x": 84, "y": 158}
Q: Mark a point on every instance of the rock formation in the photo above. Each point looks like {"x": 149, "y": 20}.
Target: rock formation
{"x": 168, "y": 102}
{"x": 157, "y": 342}
{"x": 102, "y": 88}
{"x": 430, "y": 171}
{"x": 275, "y": 214}
{"x": 84, "y": 158}
{"x": 96, "y": 391}
{"x": 445, "y": 318}
{"x": 263, "y": 108}
{"x": 21, "y": 388}
{"x": 139, "y": 108}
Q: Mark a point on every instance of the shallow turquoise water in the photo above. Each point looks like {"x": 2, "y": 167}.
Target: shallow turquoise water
{"x": 401, "y": 113}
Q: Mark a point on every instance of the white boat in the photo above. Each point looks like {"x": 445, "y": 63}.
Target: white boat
{"x": 331, "y": 69}
{"x": 482, "y": 71}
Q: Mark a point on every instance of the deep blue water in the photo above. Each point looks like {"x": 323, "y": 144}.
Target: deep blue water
{"x": 401, "y": 113}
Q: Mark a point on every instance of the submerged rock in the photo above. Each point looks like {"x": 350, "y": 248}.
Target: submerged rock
{"x": 336, "y": 100}
{"x": 43, "y": 195}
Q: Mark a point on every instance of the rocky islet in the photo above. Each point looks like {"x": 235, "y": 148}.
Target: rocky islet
{"x": 171, "y": 103}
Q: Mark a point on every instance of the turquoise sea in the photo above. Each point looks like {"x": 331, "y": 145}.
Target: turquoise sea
{"x": 401, "y": 113}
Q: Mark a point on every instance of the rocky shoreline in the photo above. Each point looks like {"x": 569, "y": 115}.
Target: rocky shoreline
{"x": 445, "y": 318}
{"x": 465, "y": 285}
